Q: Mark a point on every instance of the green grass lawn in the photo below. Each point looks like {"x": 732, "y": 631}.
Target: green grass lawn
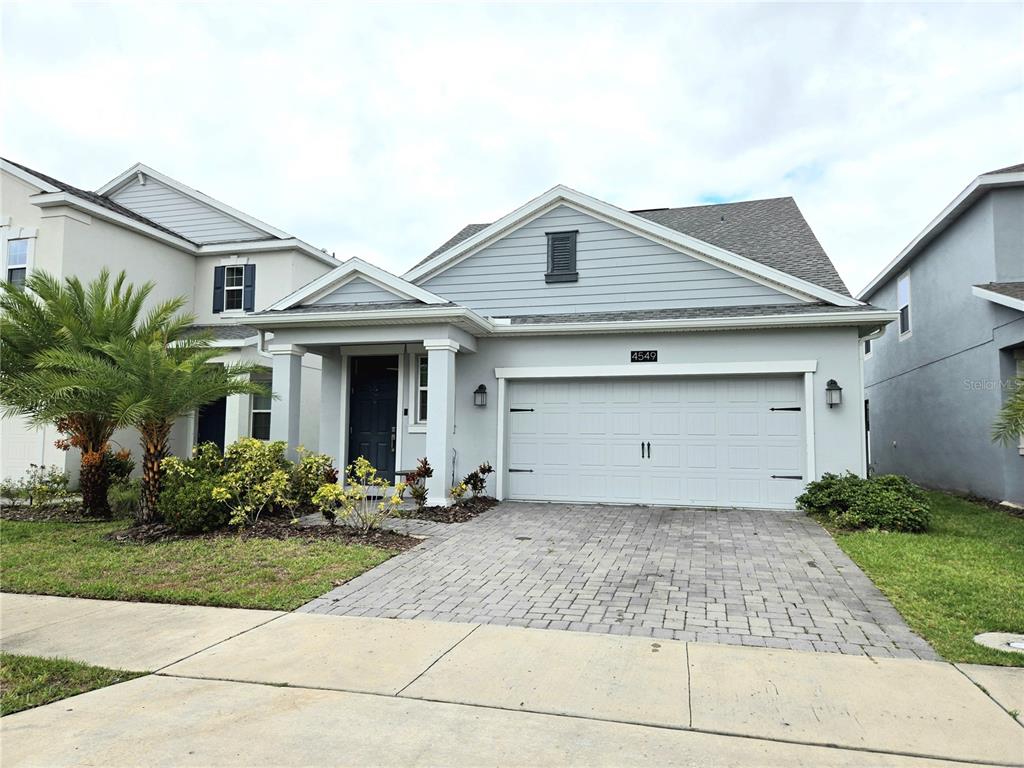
{"x": 31, "y": 681}
{"x": 74, "y": 559}
{"x": 963, "y": 577}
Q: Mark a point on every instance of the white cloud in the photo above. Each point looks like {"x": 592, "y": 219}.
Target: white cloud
{"x": 378, "y": 130}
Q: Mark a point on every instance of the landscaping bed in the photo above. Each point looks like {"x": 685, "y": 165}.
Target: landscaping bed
{"x": 31, "y": 681}
{"x": 963, "y": 576}
{"x": 467, "y": 510}
{"x": 274, "y": 566}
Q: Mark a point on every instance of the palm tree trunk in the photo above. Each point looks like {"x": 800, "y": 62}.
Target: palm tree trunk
{"x": 154, "y": 451}
{"x": 93, "y": 481}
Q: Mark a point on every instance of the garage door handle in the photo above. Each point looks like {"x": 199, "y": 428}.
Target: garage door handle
{"x": 641, "y": 449}
{"x": 787, "y": 477}
{"x": 520, "y": 410}
{"x": 520, "y": 470}
{"x": 793, "y": 408}
{"x": 648, "y": 450}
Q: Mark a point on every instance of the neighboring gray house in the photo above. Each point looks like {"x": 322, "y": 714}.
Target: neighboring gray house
{"x": 936, "y": 380}
{"x": 680, "y": 356}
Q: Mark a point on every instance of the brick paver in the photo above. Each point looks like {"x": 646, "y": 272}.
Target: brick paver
{"x": 759, "y": 578}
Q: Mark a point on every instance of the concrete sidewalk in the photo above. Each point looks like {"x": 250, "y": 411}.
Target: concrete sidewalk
{"x": 301, "y": 689}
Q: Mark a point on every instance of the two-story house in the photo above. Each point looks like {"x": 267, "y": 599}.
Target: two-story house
{"x": 937, "y": 379}
{"x": 705, "y": 356}
{"x": 226, "y": 263}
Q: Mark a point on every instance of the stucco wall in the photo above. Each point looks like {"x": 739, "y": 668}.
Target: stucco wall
{"x": 935, "y": 393}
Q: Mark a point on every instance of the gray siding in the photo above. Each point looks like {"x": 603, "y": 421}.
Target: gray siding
{"x": 934, "y": 394}
{"x": 617, "y": 270}
{"x": 359, "y": 291}
{"x": 192, "y": 219}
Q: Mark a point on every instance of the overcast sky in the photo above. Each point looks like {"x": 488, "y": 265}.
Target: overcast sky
{"x": 379, "y": 130}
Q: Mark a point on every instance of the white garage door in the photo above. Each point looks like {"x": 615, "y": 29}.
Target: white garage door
{"x": 725, "y": 442}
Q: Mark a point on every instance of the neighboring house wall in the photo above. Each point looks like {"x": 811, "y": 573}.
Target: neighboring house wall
{"x": 935, "y": 393}
{"x": 194, "y": 220}
{"x": 617, "y": 271}
{"x": 835, "y": 349}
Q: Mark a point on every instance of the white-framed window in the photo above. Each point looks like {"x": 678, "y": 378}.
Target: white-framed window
{"x": 234, "y": 282}
{"x": 867, "y": 348}
{"x": 903, "y": 303}
{"x": 420, "y": 390}
{"x": 259, "y": 419}
{"x": 17, "y": 258}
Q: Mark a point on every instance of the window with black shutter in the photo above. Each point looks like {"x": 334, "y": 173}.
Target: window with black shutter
{"x": 561, "y": 257}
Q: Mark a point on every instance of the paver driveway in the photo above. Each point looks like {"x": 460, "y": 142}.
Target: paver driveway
{"x": 760, "y": 578}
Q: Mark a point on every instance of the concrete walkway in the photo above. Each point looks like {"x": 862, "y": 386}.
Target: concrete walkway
{"x": 759, "y": 578}
{"x": 262, "y": 688}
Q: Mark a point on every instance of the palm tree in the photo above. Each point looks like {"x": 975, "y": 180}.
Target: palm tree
{"x": 1009, "y": 425}
{"x": 48, "y": 316}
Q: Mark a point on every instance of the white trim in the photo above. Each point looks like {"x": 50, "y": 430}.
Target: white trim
{"x": 647, "y": 370}
{"x": 910, "y": 312}
{"x": 27, "y": 176}
{"x": 131, "y": 174}
{"x": 867, "y": 347}
{"x": 861, "y": 397}
{"x": 496, "y": 327}
{"x": 446, "y": 345}
{"x": 72, "y": 201}
{"x": 499, "y": 461}
{"x": 998, "y": 298}
{"x": 810, "y": 473}
{"x": 359, "y": 268}
{"x": 973, "y": 192}
{"x": 292, "y": 243}
{"x": 416, "y": 424}
{"x": 562, "y": 195}
{"x": 285, "y": 349}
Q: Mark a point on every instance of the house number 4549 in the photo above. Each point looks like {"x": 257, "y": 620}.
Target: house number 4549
{"x": 643, "y": 356}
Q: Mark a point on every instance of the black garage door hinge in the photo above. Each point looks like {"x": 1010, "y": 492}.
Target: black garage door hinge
{"x": 520, "y": 410}
{"x": 793, "y": 408}
{"x": 787, "y": 477}
{"x": 520, "y": 470}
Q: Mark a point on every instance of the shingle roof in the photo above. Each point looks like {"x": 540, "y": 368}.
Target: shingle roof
{"x": 98, "y": 199}
{"x": 367, "y": 307}
{"x": 1008, "y": 169}
{"x": 687, "y": 313}
{"x": 772, "y": 232}
{"x": 224, "y": 331}
{"x": 1013, "y": 290}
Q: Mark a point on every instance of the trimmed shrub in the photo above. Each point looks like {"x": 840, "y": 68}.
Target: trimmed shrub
{"x": 476, "y": 480}
{"x": 886, "y": 502}
{"x": 362, "y": 502}
{"x": 310, "y": 472}
{"x": 417, "y": 482}
{"x": 40, "y": 487}
{"x": 187, "y": 501}
{"x": 257, "y": 479}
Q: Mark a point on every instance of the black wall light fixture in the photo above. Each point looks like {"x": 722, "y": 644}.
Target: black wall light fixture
{"x": 480, "y": 396}
{"x": 833, "y": 393}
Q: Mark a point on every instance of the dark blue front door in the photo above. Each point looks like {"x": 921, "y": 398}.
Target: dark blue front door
{"x": 372, "y": 410}
{"x": 211, "y": 423}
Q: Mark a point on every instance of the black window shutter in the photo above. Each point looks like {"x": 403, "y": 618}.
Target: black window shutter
{"x": 218, "y": 289}
{"x": 249, "y": 288}
{"x": 561, "y": 257}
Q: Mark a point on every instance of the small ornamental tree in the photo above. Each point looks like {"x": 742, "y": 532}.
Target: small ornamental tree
{"x": 1009, "y": 425}
{"x": 47, "y": 317}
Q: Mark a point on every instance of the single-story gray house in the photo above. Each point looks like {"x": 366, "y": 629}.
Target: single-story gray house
{"x": 937, "y": 380}
{"x": 686, "y": 356}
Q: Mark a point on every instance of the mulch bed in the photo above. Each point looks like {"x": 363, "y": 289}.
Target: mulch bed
{"x": 469, "y": 509}
{"x": 52, "y": 514}
{"x": 270, "y": 529}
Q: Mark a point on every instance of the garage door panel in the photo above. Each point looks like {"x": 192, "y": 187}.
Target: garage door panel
{"x": 712, "y": 441}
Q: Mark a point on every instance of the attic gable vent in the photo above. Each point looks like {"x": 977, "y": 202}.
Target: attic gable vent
{"x": 562, "y": 257}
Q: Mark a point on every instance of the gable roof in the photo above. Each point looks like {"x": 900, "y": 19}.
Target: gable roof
{"x": 128, "y": 176}
{"x": 350, "y": 269}
{"x": 1010, "y": 176}
{"x": 766, "y": 240}
{"x": 1008, "y": 294}
{"x": 95, "y": 198}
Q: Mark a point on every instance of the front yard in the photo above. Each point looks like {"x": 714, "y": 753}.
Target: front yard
{"x": 31, "y": 681}
{"x": 77, "y": 560}
{"x": 963, "y": 577}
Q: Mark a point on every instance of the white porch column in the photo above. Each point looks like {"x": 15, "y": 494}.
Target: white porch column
{"x": 440, "y": 416}
{"x": 332, "y": 391}
{"x": 287, "y": 402}
{"x": 236, "y": 418}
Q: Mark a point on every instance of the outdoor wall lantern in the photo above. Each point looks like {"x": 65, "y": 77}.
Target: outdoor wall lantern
{"x": 833, "y": 393}
{"x": 480, "y": 395}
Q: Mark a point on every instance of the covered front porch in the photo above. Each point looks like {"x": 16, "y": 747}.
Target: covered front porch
{"x": 387, "y": 392}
